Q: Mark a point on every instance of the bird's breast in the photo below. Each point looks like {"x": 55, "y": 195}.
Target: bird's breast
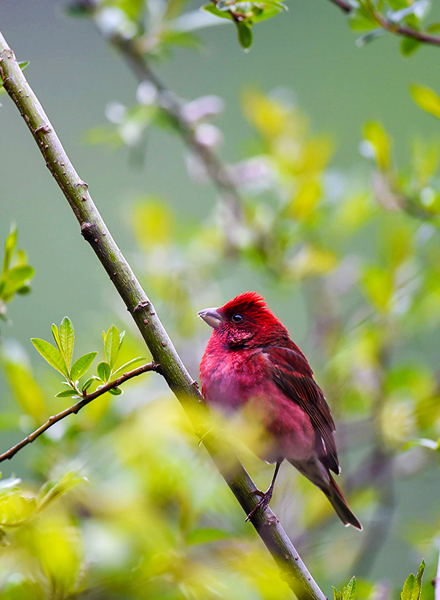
{"x": 230, "y": 383}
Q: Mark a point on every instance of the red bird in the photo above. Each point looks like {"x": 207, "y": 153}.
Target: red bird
{"x": 250, "y": 361}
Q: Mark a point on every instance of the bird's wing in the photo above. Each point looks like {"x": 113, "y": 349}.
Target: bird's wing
{"x": 293, "y": 375}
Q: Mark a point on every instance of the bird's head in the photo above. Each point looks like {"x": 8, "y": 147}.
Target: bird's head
{"x": 245, "y": 322}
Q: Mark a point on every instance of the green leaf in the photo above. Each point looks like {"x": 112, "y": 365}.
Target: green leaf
{"x": 376, "y": 135}
{"x": 218, "y": 13}
{"x": 378, "y": 285}
{"x": 116, "y": 391}
{"x": 121, "y": 339}
{"x": 66, "y": 394}
{"x": 427, "y": 99}
{"x": 348, "y": 592}
{"x": 244, "y": 35}
{"x": 412, "y": 588}
{"x": 129, "y": 363}
{"x": 363, "y": 19}
{"x": 51, "y": 354}
{"x": 89, "y": 382}
{"x": 54, "y": 489}
{"x": 67, "y": 338}
{"x": 10, "y": 243}
{"x": 56, "y": 336}
{"x": 409, "y": 45}
{"x": 82, "y": 365}
{"x": 103, "y": 370}
{"x": 111, "y": 345}
{"x": 14, "y": 279}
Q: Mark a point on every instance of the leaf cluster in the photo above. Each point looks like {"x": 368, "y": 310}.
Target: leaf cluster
{"x": 60, "y": 358}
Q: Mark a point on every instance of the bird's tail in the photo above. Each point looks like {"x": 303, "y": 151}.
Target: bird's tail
{"x": 318, "y": 474}
{"x": 340, "y": 504}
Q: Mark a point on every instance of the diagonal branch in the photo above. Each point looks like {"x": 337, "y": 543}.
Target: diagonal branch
{"x": 75, "y": 408}
{"x": 420, "y": 36}
{"x": 184, "y": 387}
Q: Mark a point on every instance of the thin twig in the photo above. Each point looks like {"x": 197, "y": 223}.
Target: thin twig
{"x": 75, "y": 408}
{"x": 424, "y": 38}
{"x": 95, "y": 231}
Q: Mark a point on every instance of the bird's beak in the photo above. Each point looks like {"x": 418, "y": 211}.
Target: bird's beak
{"x": 211, "y": 316}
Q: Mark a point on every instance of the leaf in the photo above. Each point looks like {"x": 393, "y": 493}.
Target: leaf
{"x": 129, "y": 363}
{"x": 67, "y": 394}
{"x": 82, "y": 365}
{"x": 111, "y": 346}
{"x": 305, "y": 200}
{"x": 218, "y": 13}
{"x": 14, "y": 279}
{"x": 67, "y": 338}
{"x": 348, "y": 592}
{"x": 121, "y": 338}
{"x": 103, "y": 370}
{"x": 375, "y": 134}
{"x": 378, "y": 286}
{"x": 409, "y": 45}
{"x": 51, "y": 354}
{"x": 89, "y": 382}
{"x": 426, "y": 98}
{"x": 10, "y": 243}
{"x": 412, "y": 588}
{"x": 56, "y": 336}
{"x": 54, "y": 489}
{"x": 116, "y": 391}
{"x": 244, "y": 35}
{"x": 27, "y": 393}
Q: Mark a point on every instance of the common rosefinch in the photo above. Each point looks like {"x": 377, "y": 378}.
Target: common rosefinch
{"x": 251, "y": 363}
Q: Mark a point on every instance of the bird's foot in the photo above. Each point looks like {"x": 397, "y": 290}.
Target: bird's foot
{"x": 263, "y": 503}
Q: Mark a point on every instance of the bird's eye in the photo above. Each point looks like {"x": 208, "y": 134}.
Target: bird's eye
{"x": 237, "y": 318}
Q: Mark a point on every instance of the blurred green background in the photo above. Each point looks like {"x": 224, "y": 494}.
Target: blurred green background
{"x": 310, "y": 51}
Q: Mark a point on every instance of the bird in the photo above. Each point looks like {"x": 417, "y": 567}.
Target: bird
{"x": 251, "y": 366}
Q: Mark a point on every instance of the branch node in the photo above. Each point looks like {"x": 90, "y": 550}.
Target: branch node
{"x": 42, "y": 128}
{"x": 142, "y": 305}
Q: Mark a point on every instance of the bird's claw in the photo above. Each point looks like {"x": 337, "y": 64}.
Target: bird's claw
{"x": 263, "y": 503}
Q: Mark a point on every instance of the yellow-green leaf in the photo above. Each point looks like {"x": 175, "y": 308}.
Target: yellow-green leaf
{"x": 67, "y": 337}
{"x": 378, "y": 287}
{"x": 427, "y": 99}
{"x": 51, "y": 354}
{"x": 375, "y": 134}
{"x": 82, "y": 365}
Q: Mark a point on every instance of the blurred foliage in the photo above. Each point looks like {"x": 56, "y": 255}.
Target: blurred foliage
{"x": 16, "y": 273}
{"x": 155, "y": 520}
